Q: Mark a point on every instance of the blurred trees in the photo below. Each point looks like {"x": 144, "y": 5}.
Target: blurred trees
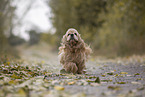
{"x": 49, "y": 38}
{"x": 15, "y": 40}
{"x": 6, "y": 15}
{"x": 34, "y": 37}
{"x": 110, "y": 26}
{"x": 124, "y": 29}
{"x": 79, "y": 14}
{"x": 7, "y": 38}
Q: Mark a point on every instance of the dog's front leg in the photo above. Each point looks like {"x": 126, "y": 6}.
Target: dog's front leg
{"x": 70, "y": 67}
{"x": 81, "y": 67}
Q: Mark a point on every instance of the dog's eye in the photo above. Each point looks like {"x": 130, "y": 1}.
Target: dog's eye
{"x": 75, "y": 33}
{"x": 68, "y": 34}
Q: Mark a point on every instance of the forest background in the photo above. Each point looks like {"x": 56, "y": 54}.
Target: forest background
{"x": 110, "y": 27}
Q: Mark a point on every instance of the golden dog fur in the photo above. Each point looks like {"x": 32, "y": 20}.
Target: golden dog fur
{"x": 73, "y": 52}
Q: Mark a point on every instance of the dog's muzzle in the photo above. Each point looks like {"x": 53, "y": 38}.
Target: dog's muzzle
{"x": 72, "y": 37}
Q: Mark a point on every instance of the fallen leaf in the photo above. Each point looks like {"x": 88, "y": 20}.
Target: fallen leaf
{"x": 12, "y": 82}
{"x": 1, "y": 77}
{"x": 15, "y": 76}
{"x": 103, "y": 75}
{"x": 71, "y": 83}
{"x": 59, "y": 88}
{"x": 90, "y": 80}
{"x": 92, "y": 77}
{"x": 21, "y": 91}
{"x": 109, "y": 80}
{"x": 121, "y": 82}
{"x": 138, "y": 79}
{"x": 114, "y": 87}
{"x": 110, "y": 73}
{"x": 97, "y": 80}
{"x": 139, "y": 89}
{"x": 42, "y": 62}
{"x": 136, "y": 74}
{"x": 123, "y": 73}
{"x": 8, "y": 63}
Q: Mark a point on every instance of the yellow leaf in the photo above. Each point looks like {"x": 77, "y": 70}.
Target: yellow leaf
{"x": 71, "y": 83}
{"x": 8, "y": 63}
{"x": 59, "y": 88}
{"x": 15, "y": 76}
{"x": 92, "y": 59}
{"x": 42, "y": 62}
{"x": 12, "y": 82}
{"x": 21, "y": 91}
{"x": 123, "y": 73}
{"x": 114, "y": 87}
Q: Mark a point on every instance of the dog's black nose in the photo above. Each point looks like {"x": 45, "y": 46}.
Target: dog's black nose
{"x": 72, "y": 35}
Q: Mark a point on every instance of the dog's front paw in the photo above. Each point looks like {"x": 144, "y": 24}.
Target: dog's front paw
{"x": 82, "y": 72}
{"x": 62, "y": 71}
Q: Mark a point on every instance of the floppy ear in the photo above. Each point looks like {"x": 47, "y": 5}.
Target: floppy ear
{"x": 64, "y": 39}
{"x": 79, "y": 38}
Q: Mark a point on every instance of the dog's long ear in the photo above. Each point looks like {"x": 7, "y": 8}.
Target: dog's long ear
{"x": 79, "y": 38}
{"x": 64, "y": 39}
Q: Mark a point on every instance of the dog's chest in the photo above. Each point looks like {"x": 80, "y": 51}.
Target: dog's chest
{"x": 76, "y": 57}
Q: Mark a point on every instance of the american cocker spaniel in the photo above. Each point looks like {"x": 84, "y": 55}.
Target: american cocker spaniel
{"x": 73, "y": 52}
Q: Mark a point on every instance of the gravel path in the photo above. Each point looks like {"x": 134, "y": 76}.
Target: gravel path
{"x": 104, "y": 78}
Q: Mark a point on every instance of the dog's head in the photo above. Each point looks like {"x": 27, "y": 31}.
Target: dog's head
{"x": 72, "y": 34}
{"x": 72, "y": 37}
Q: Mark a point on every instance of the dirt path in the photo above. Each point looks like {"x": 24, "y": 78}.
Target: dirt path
{"x": 105, "y": 78}
{"x": 40, "y": 54}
